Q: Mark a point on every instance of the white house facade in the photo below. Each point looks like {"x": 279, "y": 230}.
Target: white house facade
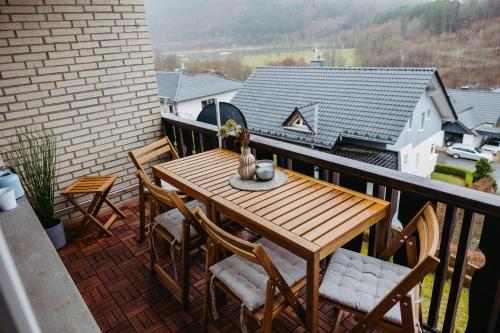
{"x": 186, "y": 94}
{"x": 191, "y": 108}
{"x": 418, "y": 140}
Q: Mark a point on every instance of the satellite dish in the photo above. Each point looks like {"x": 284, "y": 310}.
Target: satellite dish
{"x": 227, "y": 111}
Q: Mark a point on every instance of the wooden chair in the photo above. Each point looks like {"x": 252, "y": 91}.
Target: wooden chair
{"x": 178, "y": 228}
{"x": 140, "y": 157}
{"x": 384, "y": 295}
{"x": 264, "y": 284}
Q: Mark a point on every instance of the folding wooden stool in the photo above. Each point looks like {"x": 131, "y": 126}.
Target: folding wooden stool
{"x": 100, "y": 187}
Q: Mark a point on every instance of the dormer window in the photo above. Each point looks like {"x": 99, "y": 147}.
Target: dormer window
{"x": 304, "y": 119}
{"x": 298, "y": 123}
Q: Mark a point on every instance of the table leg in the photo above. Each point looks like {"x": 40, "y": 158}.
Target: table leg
{"x": 312, "y": 297}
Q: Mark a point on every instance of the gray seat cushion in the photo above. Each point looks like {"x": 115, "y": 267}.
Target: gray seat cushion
{"x": 248, "y": 281}
{"x": 360, "y": 282}
{"x": 172, "y": 220}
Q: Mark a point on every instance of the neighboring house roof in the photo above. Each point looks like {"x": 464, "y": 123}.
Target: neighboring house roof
{"x": 365, "y": 103}
{"x": 181, "y": 86}
{"x": 485, "y": 104}
{"x": 380, "y": 157}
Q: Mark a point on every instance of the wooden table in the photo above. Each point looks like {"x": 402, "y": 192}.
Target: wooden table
{"x": 307, "y": 216}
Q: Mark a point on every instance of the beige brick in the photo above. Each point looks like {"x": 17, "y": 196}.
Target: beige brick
{"x": 18, "y": 73}
{"x": 20, "y": 89}
{"x": 25, "y": 2}
{"x": 46, "y": 78}
{"x": 54, "y": 69}
{"x": 42, "y": 48}
{"x": 11, "y": 66}
{"x": 60, "y": 39}
{"x": 98, "y": 9}
{"x": 84, "y": 45}
{"x": 68, "y": 9}
{"x": 101, "y": 23}
{"x": 92, "y": 73}
{"x": 86, "y": 102}
{"x": 94, "y": 59}
{"x": 14, "y": 50}
{"x": 54, "y": 108}
{"x": 58, "y": 62}
{"x": 78, "y": 17}
{"x": 28, "y": 17}
{"x": 60, "y": 2}
{"x": 32, "y": 95}
{"x": 107, "y": 16}
{"x": 58, "y": 99}
{"x": 83, "y": 67}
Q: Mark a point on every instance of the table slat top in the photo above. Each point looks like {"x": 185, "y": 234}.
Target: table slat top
{"x": 91, "y": 184}
{"x": 314, "y": 214}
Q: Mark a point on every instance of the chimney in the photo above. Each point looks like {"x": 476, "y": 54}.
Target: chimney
{"x": 316, "y": 115}
{"x": 182, "y": 69}
{"x": 316, "y": 60}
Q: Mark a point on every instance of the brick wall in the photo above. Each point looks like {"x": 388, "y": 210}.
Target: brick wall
{"x": 83, "y": 68}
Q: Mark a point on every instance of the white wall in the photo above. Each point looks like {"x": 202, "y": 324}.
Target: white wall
{"x": 469, "y": 139}
{"x": 415, "y": 143}
{"x": 422, "y": 158}
{"x": 191, "y": 109}
{"x": 415, "y": 135}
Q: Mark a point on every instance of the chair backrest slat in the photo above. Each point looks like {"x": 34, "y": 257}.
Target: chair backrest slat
{"x": 143, "y": 155}
{"x": 170, "y": 199}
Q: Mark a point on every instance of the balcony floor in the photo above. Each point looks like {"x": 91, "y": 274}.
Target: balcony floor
{"x": 113, "y": 277}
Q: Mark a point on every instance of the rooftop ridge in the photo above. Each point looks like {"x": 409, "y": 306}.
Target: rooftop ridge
{"x": 412, "y": 69}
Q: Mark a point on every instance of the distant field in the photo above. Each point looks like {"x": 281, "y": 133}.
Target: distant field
{"x": 349, "y": 56}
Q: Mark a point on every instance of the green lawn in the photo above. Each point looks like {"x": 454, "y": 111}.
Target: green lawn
{"x": 349, "y": 55}
{"x": 448, "y": 178}
{"x": 463, "y": 304}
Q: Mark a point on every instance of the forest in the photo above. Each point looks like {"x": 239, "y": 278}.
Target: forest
{"x": 460, "y": 38}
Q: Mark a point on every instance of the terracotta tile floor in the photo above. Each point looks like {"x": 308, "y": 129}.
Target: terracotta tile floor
{"x": 113, "y": 277}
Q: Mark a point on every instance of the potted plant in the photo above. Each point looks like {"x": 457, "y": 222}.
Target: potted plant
{"x": 246, "y": 169}
{"x": 33, "y": 153}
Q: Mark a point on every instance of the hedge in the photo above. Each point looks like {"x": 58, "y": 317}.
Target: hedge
{"x": 455, "y": 171}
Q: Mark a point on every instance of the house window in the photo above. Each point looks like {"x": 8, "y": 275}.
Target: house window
{"x": 428, "y": 114}
{"x": 410, "y": 122}
{"x": 298, "y": 123}
{"x": 417, "y": 161}
{"x": 422, "y": 121}
{"x": 405, "y": 159}
{"x": 207, "y": 102}
{"x": 171, "y": 108}
{"x": 433, "y": 148}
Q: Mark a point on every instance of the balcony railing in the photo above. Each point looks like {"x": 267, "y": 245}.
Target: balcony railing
{"x": 465, "y": 209}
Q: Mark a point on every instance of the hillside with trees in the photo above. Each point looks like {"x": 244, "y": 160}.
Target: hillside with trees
{"x": 460, "y": 38}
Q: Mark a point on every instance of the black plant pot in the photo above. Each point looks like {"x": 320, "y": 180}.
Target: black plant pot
{"x": 57, "y": 235}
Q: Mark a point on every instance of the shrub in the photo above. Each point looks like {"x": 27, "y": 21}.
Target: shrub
{"x": 483, "y": 169}
{"x": 465, "y": 174}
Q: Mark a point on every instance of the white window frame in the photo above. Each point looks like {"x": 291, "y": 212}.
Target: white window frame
{"x": 410, "y": 122}
{"x": 297, "y": 123}
{"x": 422, "y": 122}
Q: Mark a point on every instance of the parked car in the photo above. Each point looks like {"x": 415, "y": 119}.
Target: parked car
{"x": 468, "y": 152}
{"x": 492, "y": 146}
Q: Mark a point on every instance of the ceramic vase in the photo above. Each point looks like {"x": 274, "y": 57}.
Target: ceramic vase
{"x": 246, "y": 170}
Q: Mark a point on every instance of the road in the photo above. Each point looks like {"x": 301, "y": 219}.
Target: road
{"x": 469, "y": 164}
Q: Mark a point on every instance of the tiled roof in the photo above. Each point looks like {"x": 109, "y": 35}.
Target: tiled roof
{"x": 181, "y": 86}
{"x": 383, "y": 158}
{"x": 368, "y": 103}
{"x": 485, "y": 104}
